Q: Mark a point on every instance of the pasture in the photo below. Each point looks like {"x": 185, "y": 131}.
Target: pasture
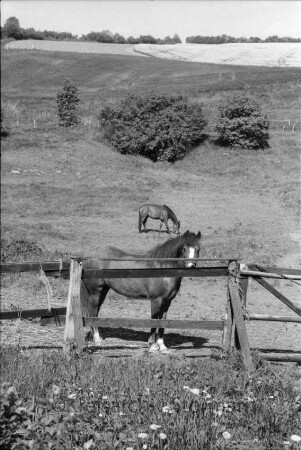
{"x": 72, "y": 194}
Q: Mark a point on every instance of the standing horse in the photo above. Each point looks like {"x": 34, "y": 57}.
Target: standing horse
{"x": 160, "y": 291}
{"x": 160, "y": 212}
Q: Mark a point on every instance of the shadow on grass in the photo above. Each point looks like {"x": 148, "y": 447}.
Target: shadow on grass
{"x": 170, "y": 339}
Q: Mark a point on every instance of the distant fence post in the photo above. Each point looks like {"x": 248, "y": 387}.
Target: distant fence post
{"x": 74, "y": 329}
{"x": 241, "y": 330}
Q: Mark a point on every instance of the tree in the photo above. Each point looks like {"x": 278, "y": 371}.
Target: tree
{"x": 67, "y": 102}
{"x": 242, "y": 124}
{"x": 12, "y": 28}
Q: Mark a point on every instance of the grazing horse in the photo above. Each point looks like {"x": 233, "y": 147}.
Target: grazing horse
{"x": 160, "y": 291}
{"x": 160, "y": 212}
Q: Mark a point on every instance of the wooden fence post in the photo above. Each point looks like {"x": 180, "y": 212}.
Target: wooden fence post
{"x": 74, "y": 329}
{"x": 240, "y": 325}
{"x": 228, "y": 324}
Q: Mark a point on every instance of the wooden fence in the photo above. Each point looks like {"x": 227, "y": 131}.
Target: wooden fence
{"x": 233, "y": 326}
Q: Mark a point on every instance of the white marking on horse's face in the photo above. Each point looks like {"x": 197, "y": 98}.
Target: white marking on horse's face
{"x": 192, "y": 253}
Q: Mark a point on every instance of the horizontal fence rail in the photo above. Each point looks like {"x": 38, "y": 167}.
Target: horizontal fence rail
{"x": 153, "y": 323}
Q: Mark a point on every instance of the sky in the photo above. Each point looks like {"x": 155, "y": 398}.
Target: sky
{"x": 159, "y": 18}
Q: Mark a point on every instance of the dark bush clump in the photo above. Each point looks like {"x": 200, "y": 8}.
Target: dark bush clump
{"x": 67, "y": 101}
{"x": 158, "y": 126}
{"x": 242, "y": 124}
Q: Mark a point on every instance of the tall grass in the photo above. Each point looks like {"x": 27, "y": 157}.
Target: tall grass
{"x": 95, "y": 402}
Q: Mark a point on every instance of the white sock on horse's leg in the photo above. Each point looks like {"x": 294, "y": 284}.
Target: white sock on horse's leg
{"x": 161, "y": 345}
{"x": 98, "y": 340}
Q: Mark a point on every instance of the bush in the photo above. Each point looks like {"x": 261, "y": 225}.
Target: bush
{"x": 67, "y": 101}
{"x": 159, "y": 127}
{"x": 19, "y": 249}
{"x": 242, "y": 124}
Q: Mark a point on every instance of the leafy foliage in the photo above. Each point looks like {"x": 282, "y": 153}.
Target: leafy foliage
{"x": 19, "y": 249}
{"x": 159, "y": 127}
{"x": 159, "y": 404}
{"x": 242, "y": 124}
{"x": 67, "y": 102}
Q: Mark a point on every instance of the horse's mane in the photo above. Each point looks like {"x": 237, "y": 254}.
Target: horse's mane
{"x": 170, "y": 249}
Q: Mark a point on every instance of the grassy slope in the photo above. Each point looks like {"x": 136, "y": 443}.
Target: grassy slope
{"x": 83, "y": 195}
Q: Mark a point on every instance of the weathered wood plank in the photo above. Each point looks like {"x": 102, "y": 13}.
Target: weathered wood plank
{"x": 46, "y": 266}
{"x": 270, "y": 318}
{"x": 255, "y": 273}
{"x": 74, "y": 329}
{"x": 278, "y": 270}
{"x": 153, "y": 323}
{"x": 282, "y": 357}
{"x": 31, "y": 313}
{"x": 155, "y": 273}
{"x": 238, "y": 317}
{"x": 278, "y": 294}
{"x": 228, "y": 325}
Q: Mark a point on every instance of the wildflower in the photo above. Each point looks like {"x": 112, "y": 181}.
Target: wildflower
{"x": 286, "y": 443}
{"x": 72, "y": 396}
{"x": 147, "y": 391}
{"x": 295, "y": 438}
{"x": 193, "y": 391}
{"x": 88, "y": 444}
{"x": 104, "y": 397}
{"x": 165, "y": 409}
{"x": 162, "y": 436}
{"x": 122, "y": 413}
{"x": 56, "y": 390}
{"x": 100, "y": 415}
{"x": 153, "y": 426}
{"x": 144, "y": 447}
{"x": 142, "y": 435}
{"x": 226, "y": 435}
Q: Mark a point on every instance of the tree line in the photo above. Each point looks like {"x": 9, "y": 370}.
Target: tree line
{"x": 12, "y": 29}
{"x": 225, "y": 39}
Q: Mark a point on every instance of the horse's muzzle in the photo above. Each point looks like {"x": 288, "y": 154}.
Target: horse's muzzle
{"x": 190, "y": 264}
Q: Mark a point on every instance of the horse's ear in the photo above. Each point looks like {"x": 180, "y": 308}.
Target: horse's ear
{"x": 199, "y": 235}
{"x": 186, "y": 233}
{"x": 179, "y": 223}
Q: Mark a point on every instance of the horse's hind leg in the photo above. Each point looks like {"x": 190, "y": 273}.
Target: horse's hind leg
{"x": 91, "y": 300}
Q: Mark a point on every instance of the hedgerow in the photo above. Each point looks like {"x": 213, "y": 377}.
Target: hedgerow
{"x": 158, "y": 126}
{"x": 242, "y": 124}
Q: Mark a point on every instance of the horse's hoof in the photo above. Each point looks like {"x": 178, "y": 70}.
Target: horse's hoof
{"x": 154, "y": 348}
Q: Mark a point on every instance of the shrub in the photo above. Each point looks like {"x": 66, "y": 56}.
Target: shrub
{"x": 19, "y": 249}
{"x": 158, "y": 126}
{"x": 242, "y": 124}
{"x": 67, "y": 101}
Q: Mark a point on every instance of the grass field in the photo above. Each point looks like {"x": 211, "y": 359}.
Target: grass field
{"x": 261, "y": 54}
{"x": 72, "y": 194}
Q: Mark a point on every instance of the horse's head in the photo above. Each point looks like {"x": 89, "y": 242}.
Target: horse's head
{"x": 191, "y": 247}
{"x": 176, "y": 227}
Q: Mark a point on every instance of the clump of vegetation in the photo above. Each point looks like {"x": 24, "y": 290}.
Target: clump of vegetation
{"x": 138, "y": 403}
{"x": 67, "y": 102}
{"x": 19, "y": 249}
{"x": 160, "y": 127}
{"x": 242, "y": 124}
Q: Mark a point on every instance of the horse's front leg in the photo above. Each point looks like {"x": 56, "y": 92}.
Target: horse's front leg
{"x": 162, "y": 315}
{"x": 155, "y": 311}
